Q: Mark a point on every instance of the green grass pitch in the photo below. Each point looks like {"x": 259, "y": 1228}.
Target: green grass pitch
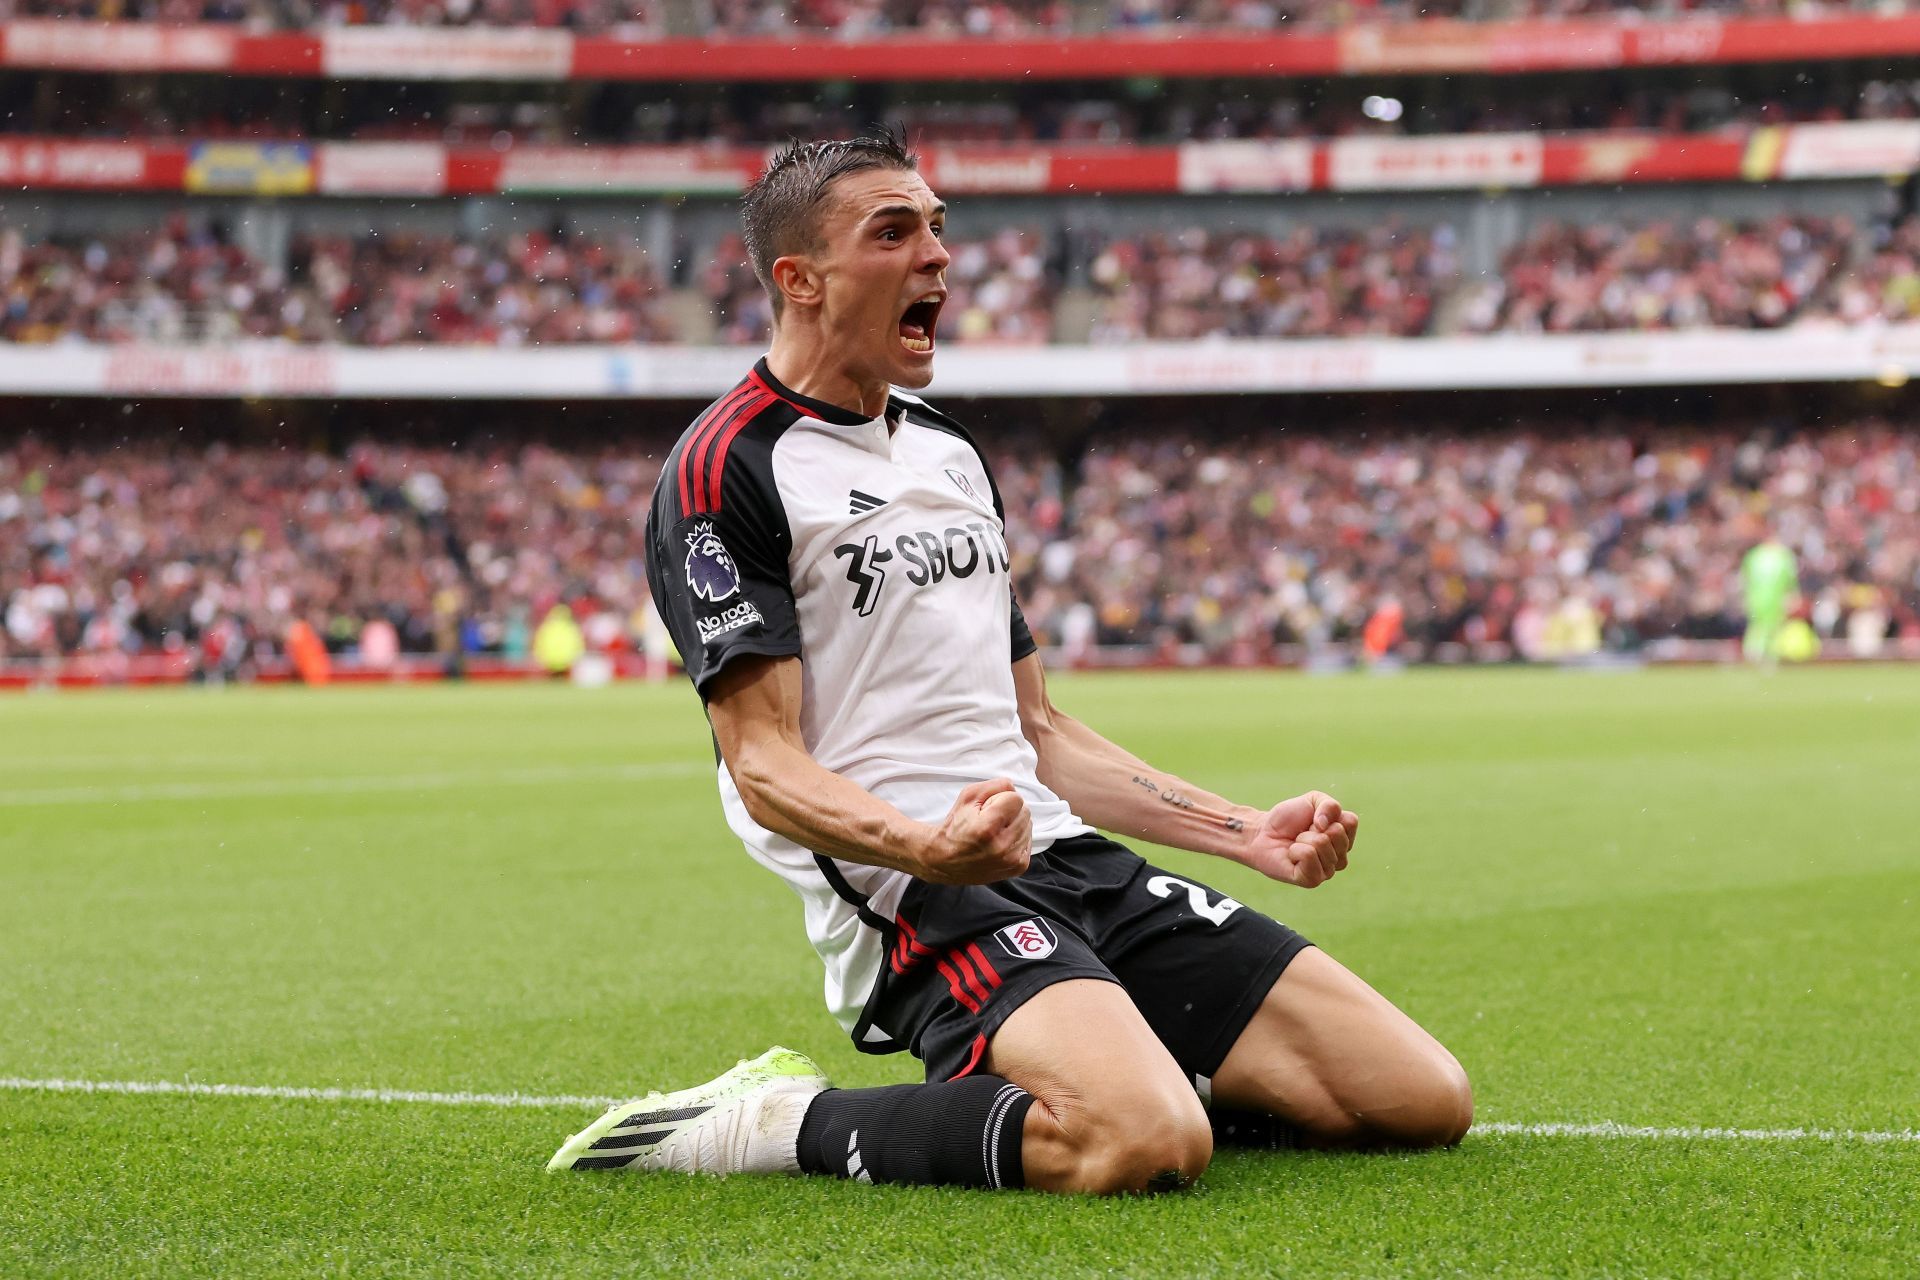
{"x": 1657, "y": 899}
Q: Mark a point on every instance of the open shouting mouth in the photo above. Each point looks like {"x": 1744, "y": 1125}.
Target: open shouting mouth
{"x": 918, "y": 321}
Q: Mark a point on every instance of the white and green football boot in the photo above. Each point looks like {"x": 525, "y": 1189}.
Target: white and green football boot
{"x": 746, "y": 1121}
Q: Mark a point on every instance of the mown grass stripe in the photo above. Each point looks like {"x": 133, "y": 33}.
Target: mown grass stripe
{"x": 297, "y": 1093}
{"x": 1501, "y": 1129}
{"x": 241, "y": 788}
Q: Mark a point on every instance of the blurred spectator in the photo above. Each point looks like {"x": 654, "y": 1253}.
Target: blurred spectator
{"x": 1661, "y": 275}
{"x": 558, "y": 641}
{"x": 1311, "y": 282}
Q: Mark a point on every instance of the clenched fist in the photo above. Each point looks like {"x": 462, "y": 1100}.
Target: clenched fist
{"x": 1303, "y": 841}
{"x": 987, "y": 836}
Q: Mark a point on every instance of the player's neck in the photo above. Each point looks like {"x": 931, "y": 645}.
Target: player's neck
{"x": 802, "y": 362}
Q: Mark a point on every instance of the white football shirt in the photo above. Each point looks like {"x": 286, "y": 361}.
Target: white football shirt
{"x": 875, "y": 551}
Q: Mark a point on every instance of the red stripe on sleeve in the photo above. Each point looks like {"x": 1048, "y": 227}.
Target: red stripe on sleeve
{"x": 718, "y": 467}
{"x": 703, "y": 431}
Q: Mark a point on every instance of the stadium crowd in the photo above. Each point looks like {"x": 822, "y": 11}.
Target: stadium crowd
{"x": 632, "y": 17}
{"x": 1308, "y": 283}
{"x": 149, "y": 548}
{"x": 192, "y": 281}
{"x": 1541, "y": 543}
{"x": 1666, "y": 275}
{"x": 852, "y": 19}
{"x": 610, "y": 113}
{"x": 185, "y": 281}
{"x": 1552, "y": 545}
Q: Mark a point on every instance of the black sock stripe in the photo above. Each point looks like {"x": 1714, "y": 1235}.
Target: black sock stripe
{"x": 986, "y": 1137}
{"x": 990, "y": 1137}
{"x": 622, "y": 1141}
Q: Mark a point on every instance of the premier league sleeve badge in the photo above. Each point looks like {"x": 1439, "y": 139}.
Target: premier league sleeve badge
{"x": 711, "y": 572}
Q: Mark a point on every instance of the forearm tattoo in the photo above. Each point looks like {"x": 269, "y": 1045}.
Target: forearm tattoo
{"x": 1180, "y": 800}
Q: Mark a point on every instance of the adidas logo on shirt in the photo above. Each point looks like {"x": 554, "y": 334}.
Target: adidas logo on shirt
{"x": 859, "y": 503}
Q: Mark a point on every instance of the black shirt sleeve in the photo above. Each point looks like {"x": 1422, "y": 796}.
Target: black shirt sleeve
{"x": 1021, "y": 637}
{"x": 1023, "y": 643}
{"x": 720, "y": 580}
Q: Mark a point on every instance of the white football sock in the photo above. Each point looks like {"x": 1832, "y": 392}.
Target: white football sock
{"x": 773, "y": 1134}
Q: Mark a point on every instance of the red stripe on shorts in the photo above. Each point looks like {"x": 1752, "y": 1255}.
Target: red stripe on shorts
{"x": 980, "y": 963}
{"x": 965, "y": 967}
{"x": 953, "y": 983}
{"x": 973, "y": 1059}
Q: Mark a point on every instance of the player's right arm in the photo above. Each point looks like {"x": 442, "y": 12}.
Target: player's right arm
{"x": 718, "y": 544}
{"x": 754, "y": 707}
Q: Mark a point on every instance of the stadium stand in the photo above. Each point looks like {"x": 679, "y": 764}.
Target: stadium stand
{"x": 188, "y": 281}
{"x": 634, "y": 16}
{"x": 256, "y": 200}
{"x": 1115, "y": 113}
{"x": 1658, "y": 275}
{"x": 1511, "y": 542}
{"x": 854, "y": 18}
{"x": 1309, "y": 283}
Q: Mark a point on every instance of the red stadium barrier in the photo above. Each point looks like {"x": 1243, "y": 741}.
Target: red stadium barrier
{"x": 150, "y": 670}
{"x": 519, "y": 53}
{"x": 1469, "y": 161}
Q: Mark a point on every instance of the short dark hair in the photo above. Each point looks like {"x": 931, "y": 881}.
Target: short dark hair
{"x": 778, "y": 215}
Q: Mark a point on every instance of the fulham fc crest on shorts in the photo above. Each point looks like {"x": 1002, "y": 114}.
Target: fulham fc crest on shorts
{"x": 1028, "y": 940}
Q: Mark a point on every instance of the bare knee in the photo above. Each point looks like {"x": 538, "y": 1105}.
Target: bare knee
{"x": 1426, "y": 1102}
{"x": 1133, "y": 1154}
{"x": 1123, "y": 1150}
{"x": 1433, "y": 1107}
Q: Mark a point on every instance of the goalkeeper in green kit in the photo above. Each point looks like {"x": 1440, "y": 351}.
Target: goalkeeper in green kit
{"x": 1771, "y": 579}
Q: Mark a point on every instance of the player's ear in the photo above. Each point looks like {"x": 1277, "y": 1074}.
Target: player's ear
{"x": 797, "y": 280}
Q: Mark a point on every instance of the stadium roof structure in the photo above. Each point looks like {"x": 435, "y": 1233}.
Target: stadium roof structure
{"x": 1888, "y": 354}
{"x": 532, "y": 54}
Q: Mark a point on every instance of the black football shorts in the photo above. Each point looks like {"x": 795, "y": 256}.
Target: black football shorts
{"x": 961, "y": 958}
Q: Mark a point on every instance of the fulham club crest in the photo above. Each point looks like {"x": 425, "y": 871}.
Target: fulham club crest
{"x": 711, "y": 573}
{"x": 966, "y": 486}
{"x": 1028, "y": 940}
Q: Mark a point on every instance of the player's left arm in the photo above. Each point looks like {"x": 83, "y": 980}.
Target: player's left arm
{"x": 1303, "y": 841}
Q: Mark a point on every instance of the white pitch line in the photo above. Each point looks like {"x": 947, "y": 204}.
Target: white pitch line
{"x": 245, "y": 787}
{"x": 1694, "y": 1132}
{"x": 1504, "y": 1129}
